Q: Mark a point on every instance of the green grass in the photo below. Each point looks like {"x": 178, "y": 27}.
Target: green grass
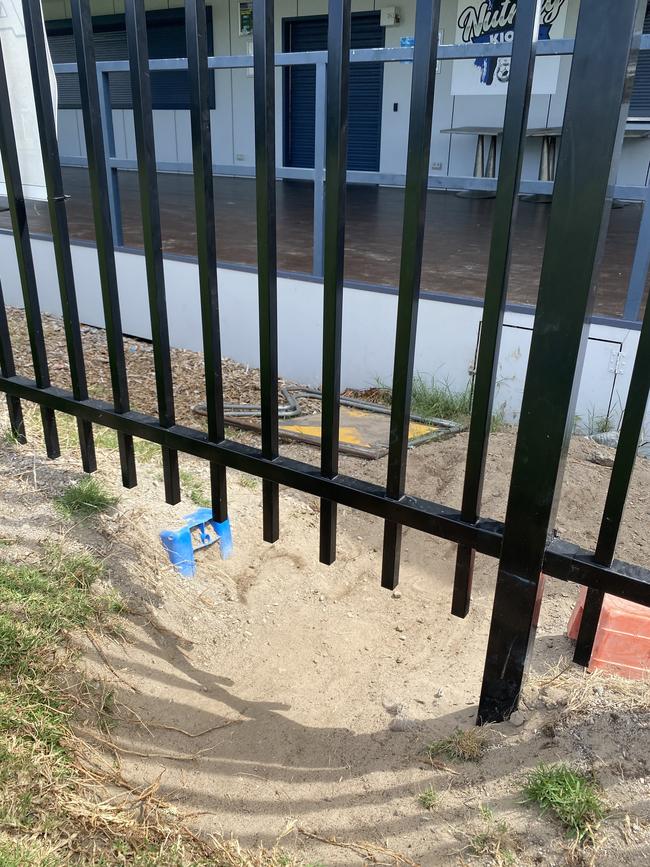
{"x": 85, "y": 498}
{"x": 465, "y": 745}
{"x": 49, "y": 817}
{"x": 13, "y": 854}
{"x": 429, "y": 798}
{"x": 39, "y": 606}
{"x": 194, "y": 489}
{"x": 105, "y": 438}
{"x": 432, "y": 398}
{"x": 569, "y": 795}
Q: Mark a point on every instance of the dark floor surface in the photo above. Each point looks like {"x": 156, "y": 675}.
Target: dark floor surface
{"x": 456, "y": 244}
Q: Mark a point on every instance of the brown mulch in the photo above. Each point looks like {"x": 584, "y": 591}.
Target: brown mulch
{"x": 241, "y": 383}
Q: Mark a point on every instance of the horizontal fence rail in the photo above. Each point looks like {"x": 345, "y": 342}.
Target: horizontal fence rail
{"x": 317, "y": 175}
{"x": 525, "y": 544}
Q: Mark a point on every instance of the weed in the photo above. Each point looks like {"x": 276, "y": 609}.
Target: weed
{"x": 194, "y": 489}
{"x": 247, "y": 481}
{"x": 9, "y": 438}
{"x": 432, "y": 399}
{"x": 498, "y": 422}
{"x": 594, "y": 423}
{"x": 496, "y": 840}
{"x": 84, "y": 498}
{"x": 570, "y": 795}
{"x": 466, "y": 745}
{"x": 429, "y": 798}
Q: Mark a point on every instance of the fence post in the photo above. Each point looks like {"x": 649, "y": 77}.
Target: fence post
{"x": 496, "y": 286}
{"x": 108, "y": 134}
{"x": 591, "y": 143}
{"x": 319, "y": 168}
{"x": 427, "y": 18}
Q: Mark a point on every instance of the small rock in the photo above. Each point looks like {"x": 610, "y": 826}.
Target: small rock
{"x": 439, "y": 692}
{"x": 606, "y": 438}
{"x": 602, "y": 460}
{"x": 399, "y": 660}
{"x": 517, "y": 718}
{"x": 399, "y": 629}
{"x": 397, "y": 594}
{"x": 403, "y": 724}
{"x": 392, "y": 706}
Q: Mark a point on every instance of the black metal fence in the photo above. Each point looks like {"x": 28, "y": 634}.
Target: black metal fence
{"x": 525, "y": 543}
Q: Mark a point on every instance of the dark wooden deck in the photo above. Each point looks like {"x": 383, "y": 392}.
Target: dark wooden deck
{"x": 456, "y": 242}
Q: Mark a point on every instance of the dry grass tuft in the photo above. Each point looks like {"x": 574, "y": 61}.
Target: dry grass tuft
{"x": 579, "y": 693}
{"x": 495, "y": 841}
{"x": 465, "y": 745}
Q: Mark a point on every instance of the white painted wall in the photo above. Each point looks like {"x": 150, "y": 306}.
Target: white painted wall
{"x": 232, "y": 121}
{"x": 447, "y": 332}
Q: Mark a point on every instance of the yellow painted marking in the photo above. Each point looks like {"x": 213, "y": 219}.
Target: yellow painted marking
{"x": 417, "y": 429}
{"x": 349, "y": 435}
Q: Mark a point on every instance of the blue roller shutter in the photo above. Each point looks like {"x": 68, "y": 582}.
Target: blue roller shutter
{"x": 366, "y": 85}
{"x": 640, "y": 103}
{"x": 166, "y": 38}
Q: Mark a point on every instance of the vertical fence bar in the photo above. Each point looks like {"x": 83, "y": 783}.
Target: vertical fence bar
{"x": 320, "y": 108}
{"x": 108, "y": 135}
{"x": 99, "y": 189}
{"x": 18, "y": 212}
{"x": 496, "y": 287}
{"x": 427, "y": 17}
{"x": 8, "y": 368}
{"x": 336, "y": 151}
{"x": 199, "y": 76}
{"x": 136, "y": 34}
{"x": 37, "y": 50}
{"x": 591, "y": 143}
{"x": 640, "y": 266}
{"x": 619, "y": 483}
{"x": 267, "y": 254}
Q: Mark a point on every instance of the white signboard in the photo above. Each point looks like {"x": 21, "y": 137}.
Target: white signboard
{"x": 492, "y": 22}
{"x": 21, "y": 97}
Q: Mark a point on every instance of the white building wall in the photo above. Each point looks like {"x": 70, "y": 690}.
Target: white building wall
{"x": 233, "y": 123}
{"x": 446, "y": 343}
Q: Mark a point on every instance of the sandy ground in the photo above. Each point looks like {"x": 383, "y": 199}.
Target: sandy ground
{"x": 257, "y": 691}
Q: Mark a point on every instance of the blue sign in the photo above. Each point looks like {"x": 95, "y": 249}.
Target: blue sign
{"x": 407, "y": 42}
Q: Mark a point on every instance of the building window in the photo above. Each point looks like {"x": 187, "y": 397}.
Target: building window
{"x": 166, "y": 37}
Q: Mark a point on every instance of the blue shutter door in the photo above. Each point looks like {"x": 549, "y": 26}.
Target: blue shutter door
{"x": 166, "y": 38}
{"x": 366, "y": 86}
{"x": 640, "y": 102}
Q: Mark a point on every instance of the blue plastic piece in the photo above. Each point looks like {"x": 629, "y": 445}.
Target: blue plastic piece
{"x": 199, "y": 531}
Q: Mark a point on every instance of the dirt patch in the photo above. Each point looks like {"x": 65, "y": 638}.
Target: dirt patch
{"x": 277, "y": 698}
